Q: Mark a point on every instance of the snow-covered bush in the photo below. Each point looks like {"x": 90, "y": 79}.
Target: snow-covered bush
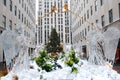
{"x": 47, "y": 67}
{"x": 43, "y": 61}
{"x": 69, "y": 63}
{"x": 47, "y": 62}
{"x": 72, "y": 59}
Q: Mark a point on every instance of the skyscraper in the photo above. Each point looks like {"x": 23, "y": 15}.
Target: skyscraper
{"x": 59, "y": 20}
{"x": 15, "y": 14}
{"x": 100, "y": 13}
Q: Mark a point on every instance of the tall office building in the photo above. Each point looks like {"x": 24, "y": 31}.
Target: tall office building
{"x": 59, "y": 20}
{"x": 101, "y": 13}
{"x": 15, "y": 14}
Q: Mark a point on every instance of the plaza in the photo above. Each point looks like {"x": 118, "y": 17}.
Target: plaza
{"x": 91, "y": 28}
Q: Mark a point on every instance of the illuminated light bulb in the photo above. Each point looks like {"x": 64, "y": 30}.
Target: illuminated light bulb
{"x": 66, "y": 7}
{"x": 54, "y": 9}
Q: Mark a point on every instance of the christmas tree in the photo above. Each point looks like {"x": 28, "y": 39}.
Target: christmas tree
{"x": 53, "y": 44}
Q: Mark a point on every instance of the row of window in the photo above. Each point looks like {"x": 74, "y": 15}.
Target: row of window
{"x": 91, "y": 7}
{"x": 60, "y": 28}
{"x": 40, "y": 31}
{"x": 67, "y": 38}
{"x": 46, "y": 36}
{"x": 23, "y": 1}
{"x": 4, "y": 22}
{"x": 15, "y": 9}
{"x": 96, "y": 2}
{"x": 4, "y": 2}
{"x": 110, "y": 13}
{"x": 60, "y": 34}
{"x": 82, "y": 35}
{"x": 102, "y": 20}
{"x": 10, "y": 1}
{"x": 110, "y": 18}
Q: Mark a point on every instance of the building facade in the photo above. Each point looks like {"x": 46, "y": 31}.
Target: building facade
{"x": 59, "y": 20}
{"x": 92, "y": 13}
{"x": 15, "y": 14}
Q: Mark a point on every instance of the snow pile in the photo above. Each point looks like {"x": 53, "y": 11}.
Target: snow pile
{"x": 86, "y": 72}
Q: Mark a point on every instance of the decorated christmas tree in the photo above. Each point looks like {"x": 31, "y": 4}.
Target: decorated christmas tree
{"x": 53, "y": 44}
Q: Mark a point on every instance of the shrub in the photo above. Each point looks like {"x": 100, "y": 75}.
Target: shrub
{"x": 72, "y": 59}
{"x": 40, "y": 61}
{"x": 69, "y": 63}
{"x": 76, "y": 60}
{"x": 47, "y": 67}
{"x": 74, "y": 69}
{"x": 44, "y": 61}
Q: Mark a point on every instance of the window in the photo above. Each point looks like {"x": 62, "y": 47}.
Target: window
{"x": 88, "y": 28}
{"x": 87, "y": 14}
{"x": 85, "y": 17}
{"x": 96, "y": 5}
{"x": 103, "y": 20}
{"x": 10, "y": 5}
{"x": 86, "y": 1}
{"x": 4, "y": 21}
{"x": 66, "y": 29}
{"x": 62, "y": 37}
{"x": 82, "y": 20}
{"x": 85, "y": 32}
{"x": 25, "y": 7}
{"x": 22, "y": 3}
{"x": 14, "y": 24}
{"x": 61, "y": 27}
{"x": 10, "y": 24}
{"x": 15, "y": 10}
{"x": 19, "y": 14}
{"x": 19, "y": 1}
{"x": 24, "y": 20}
{"x": 22, "y": 17}
{"x": 119, "y": 10}
{"x": 67, "y": 38}
{"x": 110, "y": 16}
{"x": 27, "y": 10}
{"x": 101, "y": 2}
{"x": 4, "y": 2}
{"x": 91, "y": 10}
{"x": 96, "y": 21}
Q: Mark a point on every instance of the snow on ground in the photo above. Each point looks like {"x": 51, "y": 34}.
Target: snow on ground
{"x": 86, "y": 72}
